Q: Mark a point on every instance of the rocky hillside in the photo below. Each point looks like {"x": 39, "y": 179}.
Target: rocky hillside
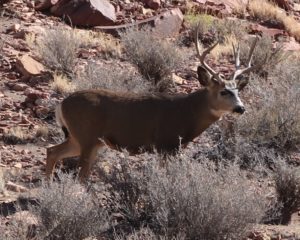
{"x": 51, "y": 48}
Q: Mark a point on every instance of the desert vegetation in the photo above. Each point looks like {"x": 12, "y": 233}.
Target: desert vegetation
{"x": 239, "y": 176}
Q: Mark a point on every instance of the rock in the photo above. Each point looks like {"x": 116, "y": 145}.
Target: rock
{"x": 283, "y": 4}
{"x": 19, "y": 87}
{"x": 32, "y": 95}
{"x": 82, "y": 12}
{"x": 153, "y": 4}
{"x": 14, "y": 28}
{"x": 42, "y": 112}
{"x": 166, "y": 24}
{"x": 221, "y": 8}
{"x": 291, "y": 45}
{"x": 18, "y": 165}
{"x": 27, "y": 66}
{"x": 44, "y": 5}
{"x": 15, "y": 187}
{"x": 272, "y": 32}
{"x": 177, "y": 79}
{"x": 3, "y": 2}
{"x": 169, "y": 24}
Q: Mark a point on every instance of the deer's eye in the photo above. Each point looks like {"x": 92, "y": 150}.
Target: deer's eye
{"x": 224, "y": 93}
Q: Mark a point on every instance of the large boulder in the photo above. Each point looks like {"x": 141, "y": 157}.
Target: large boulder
{"x": 82, "y": 12}
{"x": 166, "y": 24}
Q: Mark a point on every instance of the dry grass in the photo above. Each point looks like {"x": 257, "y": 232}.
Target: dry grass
{"x": 226, "y": 31}
{"x": 109, "y": 46}
{"x": 62, "y": 84}
{"x": 263, "y": 9}
{"x": 225, "y": 48}
{"x": 16, "y": 135}
{"x": 239, "y": 7}
{"x": 42, "y": 131}
{"x": 30, "y": 39}
{"x": 266, "y": 10}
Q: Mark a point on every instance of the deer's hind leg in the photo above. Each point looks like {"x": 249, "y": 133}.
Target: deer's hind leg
{"x": 69, "y": 148}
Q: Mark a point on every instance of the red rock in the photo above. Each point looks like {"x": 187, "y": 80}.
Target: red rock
{"x": 19, "y": 87}
{"x": 14, "y": 28}
{"x": 15, "y": 188}
{"x": 33, "y": 95}
{"x": 3, "y": 2}
{"x": 291, "y": 45}
{"x": 283, "y": 4}
{"x": 27, "y": 66}
{"x": 153, "y": 4}
{"x": 221, "y": 8}
{"x": 169, "y": 24}
{"x": 166, "y": 24}
{"x": 82, "y": 12}
{"x": 272, "y": 32}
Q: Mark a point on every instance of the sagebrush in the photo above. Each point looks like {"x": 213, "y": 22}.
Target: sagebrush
{"x": 58, "y": 49}
{"x": 155, "y": 58}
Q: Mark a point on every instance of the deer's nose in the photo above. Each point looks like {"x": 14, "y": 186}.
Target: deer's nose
{"x": 239, "y": 109}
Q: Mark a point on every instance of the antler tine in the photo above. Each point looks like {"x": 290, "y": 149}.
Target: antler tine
{"x": 249, "y": 68}
{"x": 236, "y": 53}
{"x": 249, "y": 60}
{"x": 202, "y": 55}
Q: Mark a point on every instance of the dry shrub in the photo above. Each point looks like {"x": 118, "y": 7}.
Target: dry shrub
{"x": 264, "y": 50}
{"x": 213, "y": 29}
{"x": 187, "y": 200}
{"x": 30, "y": 39}
{"x": 273, "y": 119}
{"x": 58, "y": 49}
{"x": 204, "y": 203}
{"x": 128, "y": 184}
{"x": 226, "y": 31}
{"x": 16, "y": 135}
{"x": 154, "y": 58}
{"x": 21, "y": 226}
{"x": 145, "y": 233}
{"x": 67, "y": 210}
{"x": 42, "y": 131}
{"x": 96, "y": 76}
{"x": 62, "y": 84}
{"x": 287, "y": 186}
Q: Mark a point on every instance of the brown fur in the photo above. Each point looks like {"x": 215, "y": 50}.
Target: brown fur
{"x": 93, "y": 118}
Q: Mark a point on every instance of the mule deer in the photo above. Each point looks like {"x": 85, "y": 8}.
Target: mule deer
{"x": 93, "y": 118}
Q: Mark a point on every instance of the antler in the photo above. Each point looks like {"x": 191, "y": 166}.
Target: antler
{"x": 204, "y": 54}
{"x": 249, "y": 68}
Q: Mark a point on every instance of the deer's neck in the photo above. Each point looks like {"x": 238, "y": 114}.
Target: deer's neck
{"x": 201, "y": 113}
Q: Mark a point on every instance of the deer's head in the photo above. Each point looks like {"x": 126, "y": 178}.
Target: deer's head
{"x": 224, "y": 94}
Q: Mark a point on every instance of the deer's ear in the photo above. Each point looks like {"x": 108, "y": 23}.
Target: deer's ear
{"x": 204, "y": 76}
{"x": 241, "y": 84}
